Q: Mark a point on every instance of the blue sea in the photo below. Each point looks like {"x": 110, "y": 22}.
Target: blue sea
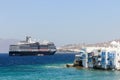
{"x": 48, "y": 68}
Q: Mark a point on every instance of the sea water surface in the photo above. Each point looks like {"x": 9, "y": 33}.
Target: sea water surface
{"x": 48, "y": 68}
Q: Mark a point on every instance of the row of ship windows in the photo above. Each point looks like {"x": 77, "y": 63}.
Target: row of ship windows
{"x": 26, "y": 47}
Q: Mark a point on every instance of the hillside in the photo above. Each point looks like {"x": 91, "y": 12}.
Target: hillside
{"x": 4, "y": 44}
{"x": 77, "y": 47}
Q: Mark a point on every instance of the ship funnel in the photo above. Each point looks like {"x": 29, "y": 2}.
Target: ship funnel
{"x": 28, "y": 39}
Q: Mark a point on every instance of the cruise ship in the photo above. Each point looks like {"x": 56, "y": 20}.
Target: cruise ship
{"x": 32, "y": 48}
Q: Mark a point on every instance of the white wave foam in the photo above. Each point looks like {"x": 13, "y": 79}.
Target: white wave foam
{"x": 55, "y": 66}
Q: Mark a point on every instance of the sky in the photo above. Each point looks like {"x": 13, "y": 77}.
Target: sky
{"x": 61, "y": 21}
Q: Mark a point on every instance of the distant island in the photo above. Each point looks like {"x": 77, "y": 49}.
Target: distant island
{"x": 4, "y": 44}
